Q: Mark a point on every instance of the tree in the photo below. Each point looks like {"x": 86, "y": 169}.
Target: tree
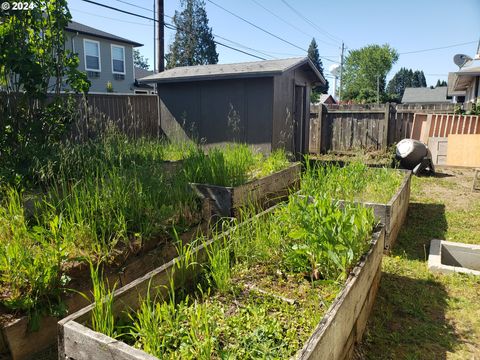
{"x": 194, "y": 43}
{"x": 139, "y": 60}
{"x": 441, "y": 83}
{"x": 33, "y": 64}
{"x": 314, "y": 56}
{"x": 402, "y": 79}
{"x": 363, "y": 68}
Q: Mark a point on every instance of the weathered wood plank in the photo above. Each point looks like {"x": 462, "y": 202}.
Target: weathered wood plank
{"x": 334, "y": 333}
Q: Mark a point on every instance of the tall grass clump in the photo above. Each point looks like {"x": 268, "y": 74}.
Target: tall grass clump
{"x": 233, "y": 165}
{"x": 103, "y": 319}
{"x": 355, "y": 181}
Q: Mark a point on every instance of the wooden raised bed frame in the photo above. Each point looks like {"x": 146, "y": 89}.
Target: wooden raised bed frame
{"x": 334, "y": 338}
{"x": 393, "y": 213}
{"x": 263, "y": 192}
{"x": 18, "y": 342}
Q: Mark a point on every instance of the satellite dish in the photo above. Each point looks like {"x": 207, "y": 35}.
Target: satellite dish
{"x": 461, "y": 59}
{"x": 334, "y": 69}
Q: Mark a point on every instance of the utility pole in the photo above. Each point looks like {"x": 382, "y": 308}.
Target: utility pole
{"x": 154, "y": 39}
{"x": 341, "y": 74}
{"x": 161, "y": 46}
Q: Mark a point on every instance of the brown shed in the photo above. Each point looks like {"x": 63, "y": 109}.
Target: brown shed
{"x": 263, "y": 103}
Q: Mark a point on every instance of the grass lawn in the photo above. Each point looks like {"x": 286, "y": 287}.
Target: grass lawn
{"x": 417, "y": 314}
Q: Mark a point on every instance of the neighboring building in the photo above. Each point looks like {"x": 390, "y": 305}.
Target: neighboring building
{"x": 265, "y": 103}
{"x": 467, "y": 79}
{"x": 326, "y": 99}
{"x": 139, "y": 88}
{"x": 103, "y": 56}
{"x": 424, "y": 95}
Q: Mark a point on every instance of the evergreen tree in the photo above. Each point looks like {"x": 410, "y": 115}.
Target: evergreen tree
{"x": 139, "y": 60}
{"x": 402, "y": 79}
{"x": 194, "y": 43}
{"x": 314, "y": 56}
{"x": 441, "y": 83}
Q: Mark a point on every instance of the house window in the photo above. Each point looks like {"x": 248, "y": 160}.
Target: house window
{"x": 92, "y": 55}
{"x": 118, "y": 59}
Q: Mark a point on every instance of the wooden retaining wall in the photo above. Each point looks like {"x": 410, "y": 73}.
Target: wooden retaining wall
{"x": 20, "y": 343}
{"x": 393, "y": 213}
{"x": 264, "y": 192}
{"x": 341, "y": 327}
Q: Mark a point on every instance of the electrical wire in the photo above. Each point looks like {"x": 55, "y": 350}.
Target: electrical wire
{"x": 311, "y": 23}
{"x": 438, "y": 48}
{"x": 169, "y": 26}
{"x": 289, "y": 23}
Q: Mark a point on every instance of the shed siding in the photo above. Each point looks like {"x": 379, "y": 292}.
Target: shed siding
{"x": 219, "y": 111}
{"x": 283, "y": 109}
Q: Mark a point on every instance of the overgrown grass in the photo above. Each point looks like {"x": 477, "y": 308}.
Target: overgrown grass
{"x": 232, "y": 166}
{"x": 302, "y": 250}
{"x": 92, "y": 198}
{"x": 355, "y": 181}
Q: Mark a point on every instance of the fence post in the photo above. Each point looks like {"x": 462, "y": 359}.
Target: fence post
{"x": 386, "y": 127}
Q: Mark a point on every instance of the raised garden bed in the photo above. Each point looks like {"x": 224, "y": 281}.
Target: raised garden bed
{"x": 390, "y": 211}
{"x": 334, "y": 336}
{"x": 263, "y": 192}
{"x": 20, "y": 342}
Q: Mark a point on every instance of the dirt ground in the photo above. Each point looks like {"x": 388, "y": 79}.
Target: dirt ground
{"x": 417, "y": 314}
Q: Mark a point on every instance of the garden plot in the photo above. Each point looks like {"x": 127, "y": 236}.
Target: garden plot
{"x": 296, "y": 280}
{"x": 385, "y": 190}
{"x": 107, "y": 201}
{"x": 236, "y": 176}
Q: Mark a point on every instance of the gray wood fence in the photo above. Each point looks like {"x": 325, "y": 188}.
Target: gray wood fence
{"x": 351, "y": 127}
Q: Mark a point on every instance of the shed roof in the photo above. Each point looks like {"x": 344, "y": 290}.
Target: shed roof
{"x": 425, "y": 95}
{"x": 325, "y": 97}
{"x": 74, "y": 26}
{"x": 238, "y": 70}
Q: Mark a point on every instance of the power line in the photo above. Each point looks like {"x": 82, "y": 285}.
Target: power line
{"x": 262, "y": 29}
{"x": 334, "y": 38}
{"x": 289, "y": 23}
{"x": 169, "y": 26}
{"x": 256, "y": 26}
{"x": 134, "y": 5}
{"x": 110, "y": 18}
{"x": 438, "y": 48}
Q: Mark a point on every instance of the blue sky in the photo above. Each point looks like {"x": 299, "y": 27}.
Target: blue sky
{"x": 406, "y": 25}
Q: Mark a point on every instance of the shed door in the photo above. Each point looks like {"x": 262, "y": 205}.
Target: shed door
{"x": 299, "y": 121}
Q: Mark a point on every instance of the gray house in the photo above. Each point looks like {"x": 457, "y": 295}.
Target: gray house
{"x": 425, "y": 95}
{"x": 104, "y": 57}
{"x": 264, "y": 103}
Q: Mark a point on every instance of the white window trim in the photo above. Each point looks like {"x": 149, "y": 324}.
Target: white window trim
{"x": 99, "y": 55}
{"x": 111, "y": 56}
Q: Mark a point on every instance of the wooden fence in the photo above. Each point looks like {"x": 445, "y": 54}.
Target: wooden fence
{"x": 350, "y": 127}
{"x": 134, "y": 115}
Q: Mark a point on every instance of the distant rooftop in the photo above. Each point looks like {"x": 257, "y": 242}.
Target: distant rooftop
{"x": 246, "y": 69}
{"x": 74, "y": 26}
{"x": 425, "y": 95}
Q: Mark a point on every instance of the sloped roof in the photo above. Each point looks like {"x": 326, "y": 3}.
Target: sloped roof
{"x": 324, "y": 97}
{"x": 451, "y": 86}
{"x": 425, "y": 95}
{"x": 463, "y": 78}
{"x": 74, "y": 26}
{"x": 238, "y": 70}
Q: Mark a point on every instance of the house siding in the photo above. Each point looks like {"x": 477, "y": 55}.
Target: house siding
{"x": 76, "y": 44}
